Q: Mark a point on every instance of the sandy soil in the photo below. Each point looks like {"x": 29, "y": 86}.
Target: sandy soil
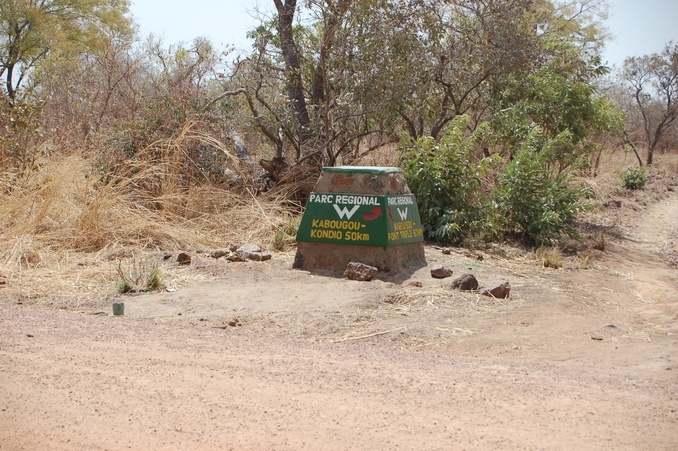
{"x": 265, "y": 357}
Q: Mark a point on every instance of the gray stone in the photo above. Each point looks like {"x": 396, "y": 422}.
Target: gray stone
{"x": 467, "y": 282}
{"x": 256, "y": 256}
{"x": 360, "y": 272}
{"x": 249, "y": 248}
{"x": 237, "y": 257}
{"x": 499, "y": 290}
{"x": 441, "y": 272}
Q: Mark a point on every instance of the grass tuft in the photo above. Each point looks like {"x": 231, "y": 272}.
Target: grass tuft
{"x": 550, "y": 257}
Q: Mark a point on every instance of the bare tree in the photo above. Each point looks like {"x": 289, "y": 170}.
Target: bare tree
{"x": 653, "y": 80}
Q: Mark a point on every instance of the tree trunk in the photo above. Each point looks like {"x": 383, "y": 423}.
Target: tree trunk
{"x": 295, "y": 89}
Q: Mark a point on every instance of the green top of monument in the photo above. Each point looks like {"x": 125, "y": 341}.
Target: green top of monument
{"x": 362, "y": 169}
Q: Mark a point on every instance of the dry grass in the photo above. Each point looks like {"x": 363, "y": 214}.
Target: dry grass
{"x": 60, "y": 224}
{"x": 549, "y": 257}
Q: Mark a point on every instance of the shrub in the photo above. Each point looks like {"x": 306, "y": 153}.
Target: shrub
{"x": 634, "y": 178}
{"x": 535, "y": 199}
{"x": 447, "y": 179}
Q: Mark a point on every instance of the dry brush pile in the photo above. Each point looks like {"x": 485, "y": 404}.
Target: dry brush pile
{"x": 65, "y": 226}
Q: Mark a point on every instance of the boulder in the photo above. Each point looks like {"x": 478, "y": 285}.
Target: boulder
{"x": 499, "y": 290}
{"x": 360, "y": 272}
{"x": 441, "y": 272}
{"x": 467, "y": 282}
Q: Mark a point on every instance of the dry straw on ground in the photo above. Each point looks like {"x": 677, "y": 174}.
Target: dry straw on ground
{"x": 61, "y": 222}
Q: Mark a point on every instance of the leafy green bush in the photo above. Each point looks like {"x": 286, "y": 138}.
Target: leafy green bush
{"x": 634, "y": 178}
{"x": 533, "y": 198}
{"x": 447, "y": 181}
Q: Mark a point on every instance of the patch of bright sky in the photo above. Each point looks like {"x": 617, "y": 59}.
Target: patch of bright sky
{"x": 640, "y": 27}
{"x": 637, "y": 27}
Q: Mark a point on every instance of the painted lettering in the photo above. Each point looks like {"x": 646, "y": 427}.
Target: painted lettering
{"x": 334, "y": 224}
{"x": 405, "y": 225}
{"x": 357, "y": 236}
{"x": 327, "y": 234}
{"x": 349, "y": 199}
{"x": 321, "y": 198}
{"x": 401, "y": 200}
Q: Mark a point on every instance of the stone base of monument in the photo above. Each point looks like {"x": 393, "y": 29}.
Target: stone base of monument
{"x": 360, "y": 214}
{"x": 337, "y": 256}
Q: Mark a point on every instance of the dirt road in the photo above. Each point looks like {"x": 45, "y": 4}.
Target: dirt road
{"x": 575, "y": 359}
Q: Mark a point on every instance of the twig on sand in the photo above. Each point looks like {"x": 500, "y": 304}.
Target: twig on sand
{"x": 384, "y": 332}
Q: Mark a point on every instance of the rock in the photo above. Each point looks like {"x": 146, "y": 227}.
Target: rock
{"x": 220, "y": 253}
{"x": 249, "y": 248}
{"x": 467, "y": 282}
{"x": 441, "y": 272}
{"x": 254, "y": 256}
{"x": 241, "y": 256}
{"x": 446, "y": 251}
{"x": 184, "y": 259}
{"x": 258, "y": 256}
{"x": 360, "y": 271}
{"x": 236, "y": 257}
{"x": 415, "y": 283}
{"x": 499, "y": 290}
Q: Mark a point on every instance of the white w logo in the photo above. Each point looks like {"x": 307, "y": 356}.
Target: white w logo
{"x": 345, "y": 211}
{"x": 403, "y": 214}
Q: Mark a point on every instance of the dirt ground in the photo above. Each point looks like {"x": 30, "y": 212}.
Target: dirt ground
{"x": 260, "y": 356}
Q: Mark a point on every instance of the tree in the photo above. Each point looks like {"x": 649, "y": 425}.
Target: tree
{"x": 30, "y": 30}
{"x": 653, "y": 80}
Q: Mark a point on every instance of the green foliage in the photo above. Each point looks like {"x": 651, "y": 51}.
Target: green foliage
{"x": 461, "y": 193}
{"x": 30, "y": 32}
{"x": 565, "y": 107}
{"x": 634, "y": 178}
{"x": 533, "y": 198}
{"x": 447, "y": 179}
